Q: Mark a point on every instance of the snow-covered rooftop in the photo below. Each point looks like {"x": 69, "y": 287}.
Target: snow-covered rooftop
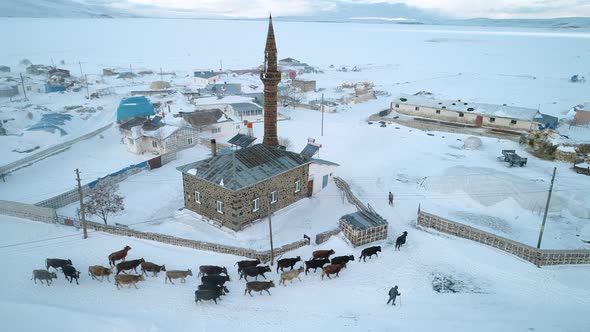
{"x": 459, "y": 105}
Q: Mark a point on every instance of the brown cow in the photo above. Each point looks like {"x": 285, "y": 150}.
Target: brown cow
{"x": 151, "y": 267}
{"x": 323, "y": 253}
{"x": 118, "y": 255}
{"x": 331, "y": 269}
{"x": 177, "y": 275}
{"x": 99, "y": 271}
{"x": 128, "y": 279}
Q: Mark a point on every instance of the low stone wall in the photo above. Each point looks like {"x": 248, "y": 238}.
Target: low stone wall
{"x": 324, "y": 236}
{"x": 27, "y": 211}
{"x": 48, "y": 215}
{"x": 536, "y": 256}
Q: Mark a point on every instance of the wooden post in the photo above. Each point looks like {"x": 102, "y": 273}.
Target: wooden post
{"x": 546, "y": 209}
{"x": 82, "y": 212}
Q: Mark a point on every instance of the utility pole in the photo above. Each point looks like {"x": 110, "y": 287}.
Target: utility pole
{"x": 272, "y": 253}
{"x": 322, "y": 109}
{"x": 82, "y": 212}
{"x": 87, "y": 92}
{"x": 22, "y": 81}
{"x": 221, "y": 66}
{"x": 546, "y": 209}
{"x": 161, "y": 75}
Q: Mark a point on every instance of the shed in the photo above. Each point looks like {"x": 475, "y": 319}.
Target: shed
{"x": 582, "y": 168}
{"x": 582, "y": 116}
{"x": 126, "y": 75}
{"x": 4, "y": 69}
{"x": 246, "y": 109}
{"x": 206, "y": 74}
{"x": 363, "y": 227}
{"x": 134, "y": 107}
{"x": 8, "y": 90}
{"x": 49, "y": 88}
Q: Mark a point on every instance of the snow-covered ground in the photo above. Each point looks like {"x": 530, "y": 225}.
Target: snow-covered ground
{"x": 515, "y": 66}
{"x": 495, "y": 290}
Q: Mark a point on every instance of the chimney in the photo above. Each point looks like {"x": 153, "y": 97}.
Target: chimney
{"x": 250, "y": 129}
{"x": 213, "y": 147}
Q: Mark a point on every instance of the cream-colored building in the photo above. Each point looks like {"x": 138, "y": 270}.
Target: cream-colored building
{"x": 474, "y": 114}
{"x": 582, "y": 117}
{"x": 142, "y": 136}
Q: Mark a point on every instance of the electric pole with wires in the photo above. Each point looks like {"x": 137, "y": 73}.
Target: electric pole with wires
{"x": 82, "y": 212}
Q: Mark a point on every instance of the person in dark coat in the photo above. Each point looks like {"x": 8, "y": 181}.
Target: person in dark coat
{"x": 393, "y": 293}
{"x": 390, "y": 198}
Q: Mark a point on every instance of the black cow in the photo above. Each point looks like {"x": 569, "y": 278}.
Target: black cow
{"x": 215, "y": 279}
{"x": 223, "y": 289}
{"x": 342, "y": 259}
{"x": 71, "y": 273}
{"x": 246, "y": 263}
{"x": 316, "y": 263}
{"x": 401, "y": 240}
{"x": 254, "y": 271}
{"x": 368, "y": 252}
{"x": 287, "y": 262}
{"x": 57, "y": 263}
{"x": 128, "y": 265}
{"x": 211, "y": 269}
{"x": 207, "y": 294}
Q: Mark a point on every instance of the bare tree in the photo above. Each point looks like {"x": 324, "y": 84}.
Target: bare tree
{"x": 104, "y": 201}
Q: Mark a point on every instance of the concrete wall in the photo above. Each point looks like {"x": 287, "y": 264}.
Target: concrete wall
{"x": 31, "y": 212}
{"x": 238, "y": 205}
{"x": 27, "y": 211}
{"x": 454, "y": 116}
{"x": 536, "y": 256}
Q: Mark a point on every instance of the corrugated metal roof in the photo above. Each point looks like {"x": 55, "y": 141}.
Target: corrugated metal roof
{"x": 206, "y": 74}
{"x": 245, "y": 167}
{"x": 504, "y": 111}
{"x": 364, "y": 220}
{"x": 240, "y": 108}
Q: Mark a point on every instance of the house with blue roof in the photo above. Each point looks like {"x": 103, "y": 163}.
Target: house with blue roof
{"x": 132, "y": 107}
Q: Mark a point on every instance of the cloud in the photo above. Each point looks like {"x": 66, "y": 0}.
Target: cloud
{"x": 499, "y": 8}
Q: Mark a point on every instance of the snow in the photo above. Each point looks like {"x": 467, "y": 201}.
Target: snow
{"x": 433, "y": 171}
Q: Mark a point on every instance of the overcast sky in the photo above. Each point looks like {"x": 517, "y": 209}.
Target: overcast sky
{"x": 452, "y": 8}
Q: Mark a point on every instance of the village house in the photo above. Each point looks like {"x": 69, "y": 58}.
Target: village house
{"x": 211, "y": 123}
{"x": 582, "y": 116}
{"x": 244, "y": 185}
{"x": 305, "y": 86}
{"x": 206, "y": 77}
{"x": 238, "y": 111}
{"x": 474, "y": 114}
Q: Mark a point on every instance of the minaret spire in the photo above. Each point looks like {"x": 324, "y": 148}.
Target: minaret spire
{"x": 270, "y": 77}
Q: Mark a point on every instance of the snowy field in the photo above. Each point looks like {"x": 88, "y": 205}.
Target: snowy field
{"x": 495, "y": 291}
{"x": 522, "y": 67}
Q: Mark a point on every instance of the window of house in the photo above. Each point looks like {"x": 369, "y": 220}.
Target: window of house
{"x": 238, "y": 127}
{"x": 197, "y": 197}
{"x": 220, "y": 207}
{"x": 492, "y": 120}
{"x": 297, "y": 186}
{"x": 255, "y": 205}
{"x": 273, "y": 197}
{"x": 154, "y": 144}
{"x": 417, "y": 108}
{"x": 461, "y": 115}
{"x": 215, "y": 130}
{"x": 130, "y": 141}
{"x": 437, "y": 111}
{"x": 189, "y": 140}
{"x": 512, "y": 121}
{"x": 396, "y": 105}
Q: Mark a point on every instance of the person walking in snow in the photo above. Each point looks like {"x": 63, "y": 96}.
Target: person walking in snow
{"x": 393, "y": 293}
{"x": 390, "y": 198}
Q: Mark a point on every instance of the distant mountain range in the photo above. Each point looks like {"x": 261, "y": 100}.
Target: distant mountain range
{"x": 375, "y": 13}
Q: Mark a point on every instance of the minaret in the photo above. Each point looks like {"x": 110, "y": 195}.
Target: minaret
{"x": 270, "y": 77}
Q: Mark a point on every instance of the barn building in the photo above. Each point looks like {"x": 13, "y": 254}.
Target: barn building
{"x": 473, "y": 114}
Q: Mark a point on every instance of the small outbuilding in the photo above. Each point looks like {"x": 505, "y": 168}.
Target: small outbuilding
{"x": 4, "y": 69}
{"x": 363, "y": 227}
{"x": 582, "y": 168}
{"x": 8, "y": 90}
{"x": 582, "y": 116}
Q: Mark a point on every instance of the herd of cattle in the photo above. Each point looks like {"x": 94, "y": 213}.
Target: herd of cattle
{"x": 213, "y": 278}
